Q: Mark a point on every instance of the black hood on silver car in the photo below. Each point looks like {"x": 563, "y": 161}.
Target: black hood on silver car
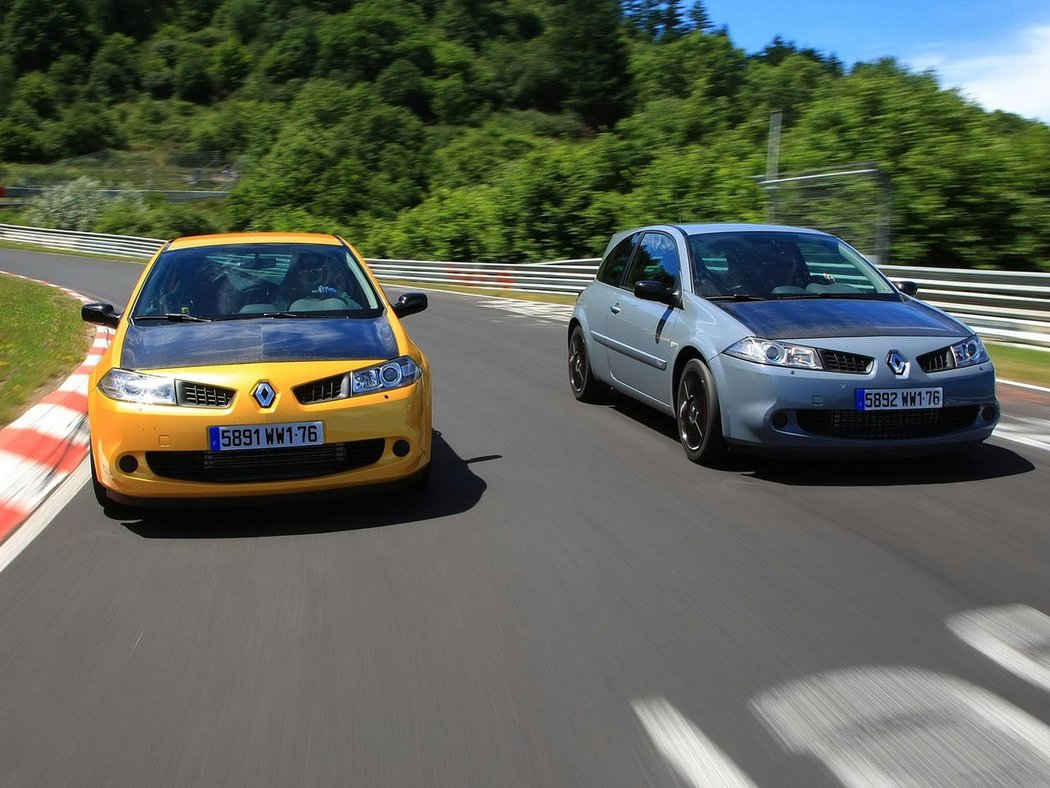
{"x": 163, "y": 345}
{"x": 811, "y": 318}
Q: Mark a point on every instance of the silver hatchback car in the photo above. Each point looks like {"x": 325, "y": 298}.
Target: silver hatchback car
{"x": 777, "y": 340}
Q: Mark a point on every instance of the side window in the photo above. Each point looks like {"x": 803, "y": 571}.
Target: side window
{"x": 611, "y": 269}
{"x": 657, "y": 259}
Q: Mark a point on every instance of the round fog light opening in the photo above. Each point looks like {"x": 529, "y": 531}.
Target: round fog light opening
{"x": 128, "y": 464}
{"x": 401, "y": 448}
{"x": 779, "y": 420}
{"x": 988, "y": 413}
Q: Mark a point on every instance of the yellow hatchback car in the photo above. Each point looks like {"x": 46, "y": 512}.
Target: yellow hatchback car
{"x": 253, "y": 365}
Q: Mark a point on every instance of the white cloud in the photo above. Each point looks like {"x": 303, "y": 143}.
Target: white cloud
{"x": 1011, "y": 75}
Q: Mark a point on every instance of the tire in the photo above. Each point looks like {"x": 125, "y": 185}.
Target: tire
{"x": 96, "y": 485}
{"x": 698, "y": 415}
{"x": 585, "y": 387}
{"x": 111, "y": 508}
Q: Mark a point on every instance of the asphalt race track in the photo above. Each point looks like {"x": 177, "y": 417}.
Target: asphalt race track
{"x": 571, "y": 603}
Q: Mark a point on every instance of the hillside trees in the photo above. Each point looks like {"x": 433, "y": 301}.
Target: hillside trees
{"x": 590, "y": 55}
{"x": 504, "y": 129}
{"x": 340, "y": 152}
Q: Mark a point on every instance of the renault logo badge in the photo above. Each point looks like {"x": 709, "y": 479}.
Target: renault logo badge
{"x": 264, "y": 394}
{"x": 897, "y": 362}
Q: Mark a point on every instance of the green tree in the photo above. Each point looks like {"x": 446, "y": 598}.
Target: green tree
{"x": 360, "y": 44}
{"x": 231, "y": 63}
{"x": 588, "y": 49}
{"x": 38, "y": 93}
{"x": 295, "y": 55}
{"x": 83, "y": 128}
{"x": 343, "y": 152}
{"x": 114, "y": 71}
{"x": 18, "y": 142}
{"x": 35, "y": 34}
{"x": 698, "y": 16}
{"x": 135, "y": 18}
{"x": 158, "y": 64}
{"x": 192, "y": 80}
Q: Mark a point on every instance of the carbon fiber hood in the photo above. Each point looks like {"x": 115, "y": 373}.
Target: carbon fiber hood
{"x": 167, "y": 345}
{"x": 805, "y": 318}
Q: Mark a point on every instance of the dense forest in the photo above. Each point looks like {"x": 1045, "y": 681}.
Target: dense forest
{"x": 505, "y": 130}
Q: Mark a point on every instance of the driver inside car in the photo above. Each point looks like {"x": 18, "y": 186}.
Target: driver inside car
{"x": 313, "y": 283}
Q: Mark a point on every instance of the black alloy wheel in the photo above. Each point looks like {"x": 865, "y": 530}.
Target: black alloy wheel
{"x": 698, "y": 415}
{"x": 585, "y": 387}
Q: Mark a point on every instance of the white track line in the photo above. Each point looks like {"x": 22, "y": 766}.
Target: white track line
{"x": 695, "y": 758}
{"x": 42, "y": 517}
{"x": 1015, "y": 636}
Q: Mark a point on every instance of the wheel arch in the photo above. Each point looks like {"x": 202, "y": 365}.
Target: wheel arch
{"x": 685, "y": 355}
{"x": 573, "y": 323}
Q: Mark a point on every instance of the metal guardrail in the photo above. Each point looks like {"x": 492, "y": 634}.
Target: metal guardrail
{"x": 1007, "y": 306}
{"x": 22, "y": 195}
{"x": 567, "y": 278}
{"x": 95, "y": 243}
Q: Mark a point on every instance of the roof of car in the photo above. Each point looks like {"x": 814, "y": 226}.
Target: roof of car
{"x": 696, "y": 229}
{"x": 254, "y": 238}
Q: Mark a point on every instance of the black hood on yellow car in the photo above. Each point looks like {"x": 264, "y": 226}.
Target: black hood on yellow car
{"x": 260, "y": 340}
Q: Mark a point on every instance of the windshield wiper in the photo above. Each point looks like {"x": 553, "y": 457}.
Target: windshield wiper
{"x": 174, "y": 317}
{"x": 854, "y": 296}
{"x": 737, "y": 297}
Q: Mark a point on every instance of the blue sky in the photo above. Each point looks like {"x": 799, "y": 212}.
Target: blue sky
{"x": 996, "y": 52}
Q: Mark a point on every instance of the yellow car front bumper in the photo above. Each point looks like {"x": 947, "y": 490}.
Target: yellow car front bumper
{"x": 162, "y": 452}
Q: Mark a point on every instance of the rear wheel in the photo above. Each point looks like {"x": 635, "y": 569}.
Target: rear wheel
{"x": 698, "y": 415}
{"x": 585, "y": 387}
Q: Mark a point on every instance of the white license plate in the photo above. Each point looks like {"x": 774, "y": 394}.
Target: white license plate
{"x": 899, "y": 399}
{"x": 265, "y": 436}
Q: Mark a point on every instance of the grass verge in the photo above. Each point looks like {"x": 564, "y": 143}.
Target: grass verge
{"x": 1021, "y": 364}
{"x": 42, "y": 339}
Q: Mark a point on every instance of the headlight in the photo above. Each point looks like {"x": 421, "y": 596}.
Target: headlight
{"x": 970, "y": 352}
{"x": 120, "y": 384}
{"x": 394, "y": 374}
{"x": 779, "y": 354}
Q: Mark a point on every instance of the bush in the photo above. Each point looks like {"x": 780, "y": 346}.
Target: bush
{"x": 75, "y": 205}
{"x": 85, "y": 128}
{"x": 156, "y": 218}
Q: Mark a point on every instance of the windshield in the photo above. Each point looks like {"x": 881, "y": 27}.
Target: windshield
{"x": 786, "y": 264}
{"x": 252, "y": 281}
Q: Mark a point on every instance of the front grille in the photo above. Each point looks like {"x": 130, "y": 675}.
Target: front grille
{"x": 937, "y": 361}
{"x": 336, "y": 387}
{"x": 265, "y": 465}
{"x": 198, "y": 395}
{"x": 887, "y": 424}
{"x": 838, "y": 361}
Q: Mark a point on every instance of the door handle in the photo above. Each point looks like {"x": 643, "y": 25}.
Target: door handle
{"x": 615, "y": 309}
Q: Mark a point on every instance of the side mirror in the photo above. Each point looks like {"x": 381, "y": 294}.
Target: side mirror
{"x": 100, "y": 315}
{"x": 907, "y": 287}
{"x": 410, "y": 303}
{"x": 651, "y": 290}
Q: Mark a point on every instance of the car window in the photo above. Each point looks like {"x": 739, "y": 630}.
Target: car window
{"x": 782, "y": 264}
{"x": 656, "y": 259}
{"x": 611, "y": 269}
{"x": 239, "y": 281}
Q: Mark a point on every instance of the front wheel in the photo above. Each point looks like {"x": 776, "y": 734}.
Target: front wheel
{"x": 96, "y": 485}
{"x": 585, "y": 387}
{"x": 698, "y": 415}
